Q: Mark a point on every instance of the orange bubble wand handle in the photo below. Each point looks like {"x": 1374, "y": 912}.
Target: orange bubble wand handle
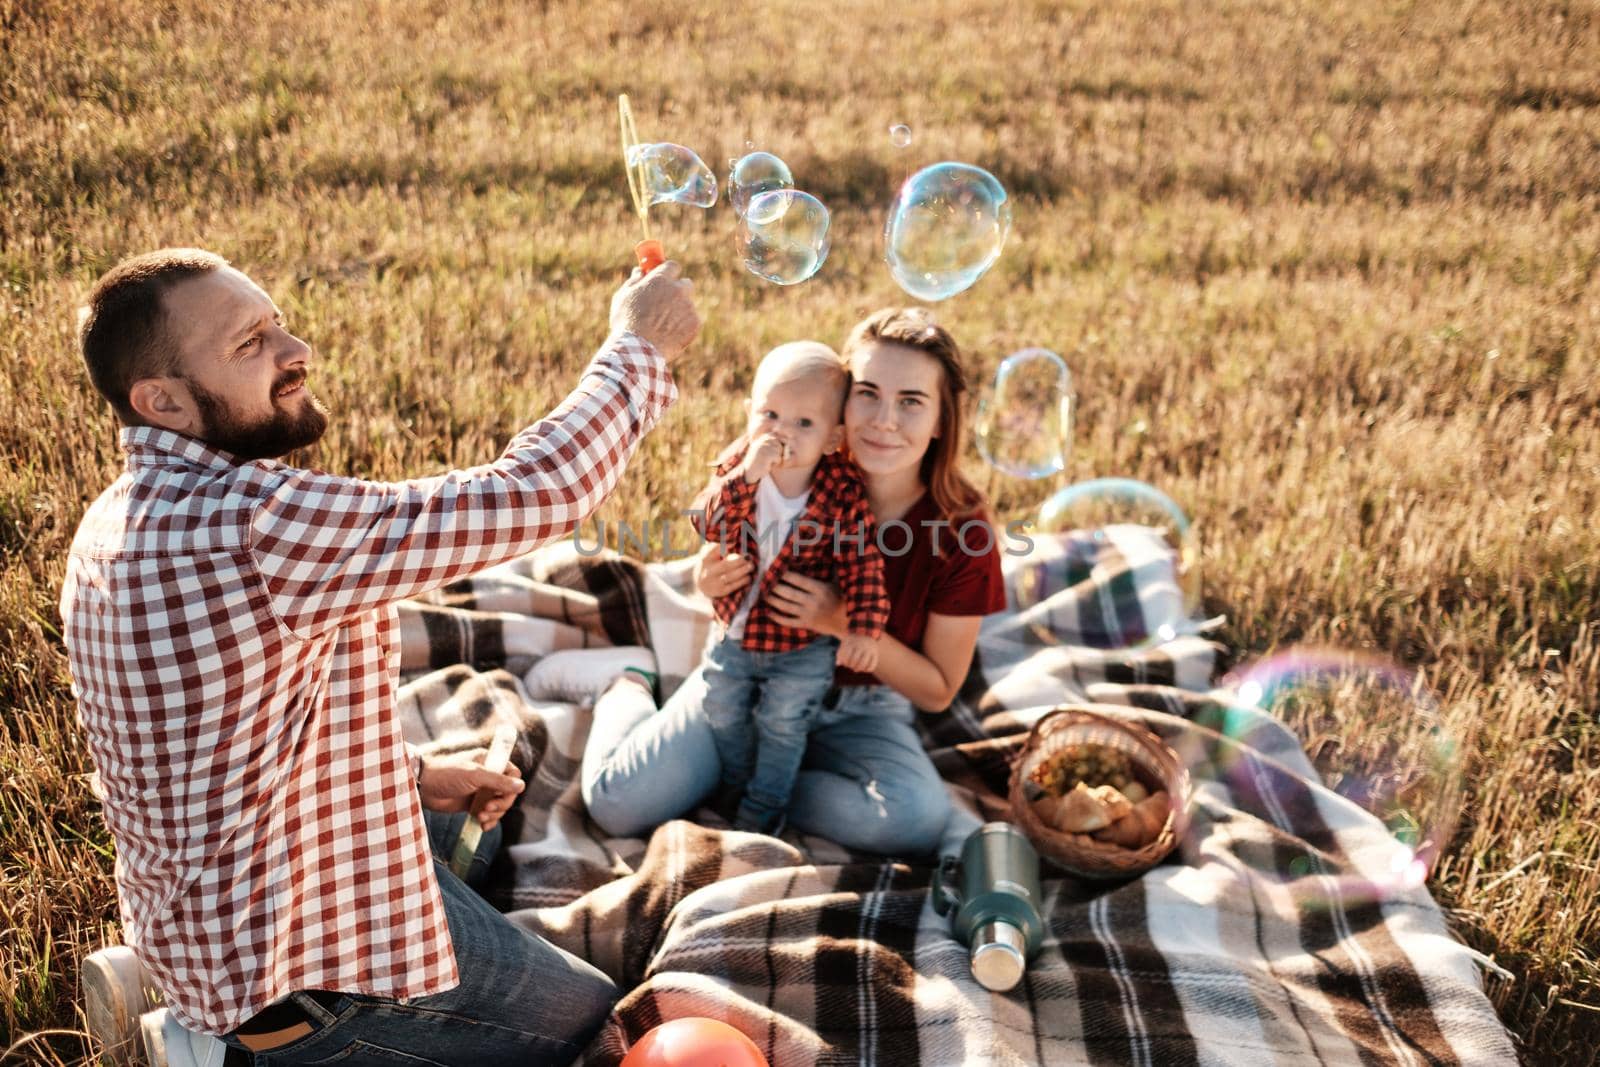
{"x": 651, "y": 255}
{"x": 648, "y": 252}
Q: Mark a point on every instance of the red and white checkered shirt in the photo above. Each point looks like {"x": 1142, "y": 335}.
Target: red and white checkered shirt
{"x": 834, "y": 540}
{"x": 231, "y": 631}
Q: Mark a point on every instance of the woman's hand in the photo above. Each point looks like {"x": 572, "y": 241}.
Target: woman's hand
{"x": 717, "y": 575}
{"x": 458, "y": 782}
{"x": 809, "y": 604}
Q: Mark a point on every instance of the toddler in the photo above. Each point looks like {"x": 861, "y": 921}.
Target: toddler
{"x": 783, "y": 486}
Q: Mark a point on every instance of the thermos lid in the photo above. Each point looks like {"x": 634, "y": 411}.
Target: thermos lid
{"x": 999, "y": 956}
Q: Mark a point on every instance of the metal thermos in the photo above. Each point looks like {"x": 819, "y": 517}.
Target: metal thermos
{"x": 996, "y": 909}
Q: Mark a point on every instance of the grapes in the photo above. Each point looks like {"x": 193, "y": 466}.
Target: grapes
{"x": 1090, "y": 764}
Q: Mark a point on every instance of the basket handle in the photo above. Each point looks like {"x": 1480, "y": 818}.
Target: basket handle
{"x": 945, "y": 898}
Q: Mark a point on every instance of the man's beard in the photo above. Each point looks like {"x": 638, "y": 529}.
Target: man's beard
{"x": 277, "y": 435}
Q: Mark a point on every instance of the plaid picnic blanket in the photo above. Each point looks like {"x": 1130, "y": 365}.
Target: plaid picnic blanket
{"x": 1253, "y": 944}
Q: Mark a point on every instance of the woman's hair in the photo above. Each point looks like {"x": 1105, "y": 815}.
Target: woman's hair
{"x": 915, "y": 328}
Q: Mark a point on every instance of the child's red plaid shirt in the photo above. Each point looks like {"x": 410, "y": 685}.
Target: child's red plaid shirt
{"x": 834, "y": 540}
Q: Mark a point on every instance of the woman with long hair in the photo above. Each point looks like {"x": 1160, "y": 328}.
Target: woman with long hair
{"x": 866, "y": 780}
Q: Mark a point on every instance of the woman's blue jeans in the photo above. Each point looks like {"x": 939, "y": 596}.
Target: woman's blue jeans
{"x": 865, "y": 781}
{"x": 521, "y": 1000}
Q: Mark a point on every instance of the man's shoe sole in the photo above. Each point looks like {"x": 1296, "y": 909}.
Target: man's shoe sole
{"x": 152, "y": 1040}
{"x": 114, "y": 996}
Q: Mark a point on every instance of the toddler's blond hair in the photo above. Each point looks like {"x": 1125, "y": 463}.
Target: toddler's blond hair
{"x": 801, "y": 361}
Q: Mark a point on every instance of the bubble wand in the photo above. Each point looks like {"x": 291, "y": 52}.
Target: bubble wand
{"x": 649, "y": 251}
{"x": 500, "y": 749}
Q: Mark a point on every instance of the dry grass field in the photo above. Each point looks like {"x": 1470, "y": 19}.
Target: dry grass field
{"x": 1328, "y": 274}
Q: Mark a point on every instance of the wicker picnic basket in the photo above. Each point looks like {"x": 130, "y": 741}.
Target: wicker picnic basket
{"x": 1152, "y": 762}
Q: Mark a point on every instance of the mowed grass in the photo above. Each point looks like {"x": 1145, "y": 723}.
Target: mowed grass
{"x": 1325, "y": 274}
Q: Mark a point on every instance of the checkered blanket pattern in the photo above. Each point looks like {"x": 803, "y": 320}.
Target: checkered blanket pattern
{"x": 1244, "y": 948}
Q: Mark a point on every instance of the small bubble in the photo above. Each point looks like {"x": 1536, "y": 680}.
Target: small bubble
{"x": 673, "y": 174}
{"x": 1024, "y": 423}
{"x": 754, "y": 174}
{"x": 900, "y": 135}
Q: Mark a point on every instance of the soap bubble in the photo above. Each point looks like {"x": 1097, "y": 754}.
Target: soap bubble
{"x": 784, "y": 237}
{"x": 900, "y": 135}
{"x": 673, "y": 174}
{"x": 1380, "y": 740}
{"x": 945, "y": 229}
{"x": 1135, "y": 542}
{"x": 754, "y": 174}
{"x": 1024, "y": 424}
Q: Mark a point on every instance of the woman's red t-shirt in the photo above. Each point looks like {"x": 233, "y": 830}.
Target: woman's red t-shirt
{"x": 930, "y": 567}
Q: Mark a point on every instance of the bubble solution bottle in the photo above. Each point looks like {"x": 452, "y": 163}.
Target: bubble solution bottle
{"x": 996, "y": 909}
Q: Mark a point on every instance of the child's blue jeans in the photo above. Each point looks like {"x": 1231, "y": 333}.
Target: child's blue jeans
{"x": 761, "y": 706}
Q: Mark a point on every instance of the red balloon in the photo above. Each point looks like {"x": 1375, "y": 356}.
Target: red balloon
{"x": 694, "y": 1042}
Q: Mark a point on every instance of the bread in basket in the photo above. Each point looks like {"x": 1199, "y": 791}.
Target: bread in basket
{"x": 1067, "y": 734}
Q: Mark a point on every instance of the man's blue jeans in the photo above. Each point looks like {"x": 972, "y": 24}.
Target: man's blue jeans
{"x": 761, "y": 706}
{"x": 521, "y": 999}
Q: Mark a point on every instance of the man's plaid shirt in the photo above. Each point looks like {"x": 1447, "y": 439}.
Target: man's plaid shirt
{"x": 834, "y": 540}
{"x": 231, "y": 629}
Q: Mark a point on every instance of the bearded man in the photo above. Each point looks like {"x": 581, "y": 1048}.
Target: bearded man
{"x": 230, "y": 621}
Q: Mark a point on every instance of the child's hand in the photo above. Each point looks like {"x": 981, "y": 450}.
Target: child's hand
{"x": 764, "y": 453}
{"x": 857, "y": 652}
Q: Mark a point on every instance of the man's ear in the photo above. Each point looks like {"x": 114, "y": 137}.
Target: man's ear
{"x": 165, "y": 402}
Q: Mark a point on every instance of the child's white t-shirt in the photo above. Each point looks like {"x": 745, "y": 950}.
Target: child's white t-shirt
{"x": 775, "y": 520}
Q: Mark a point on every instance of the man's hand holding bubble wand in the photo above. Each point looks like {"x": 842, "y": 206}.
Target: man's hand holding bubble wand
{"x": 496, "y": 761}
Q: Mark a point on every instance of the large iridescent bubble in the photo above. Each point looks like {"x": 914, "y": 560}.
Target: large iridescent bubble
{"x": 753, "y": 174}
{"x": 1364, "y": 814}
{"x": 1105, "y": 527}
{"x": 945, "y": 229}
{"x": 673, "y": 174}
{"x": 784, "y": 237}
{"x": 1024, "y": 425}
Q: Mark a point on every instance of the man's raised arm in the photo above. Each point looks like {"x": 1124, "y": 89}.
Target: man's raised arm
{"x": 328, "y": 548}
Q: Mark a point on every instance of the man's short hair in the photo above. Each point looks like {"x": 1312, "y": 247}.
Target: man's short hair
{"x": 123, "y": 330}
